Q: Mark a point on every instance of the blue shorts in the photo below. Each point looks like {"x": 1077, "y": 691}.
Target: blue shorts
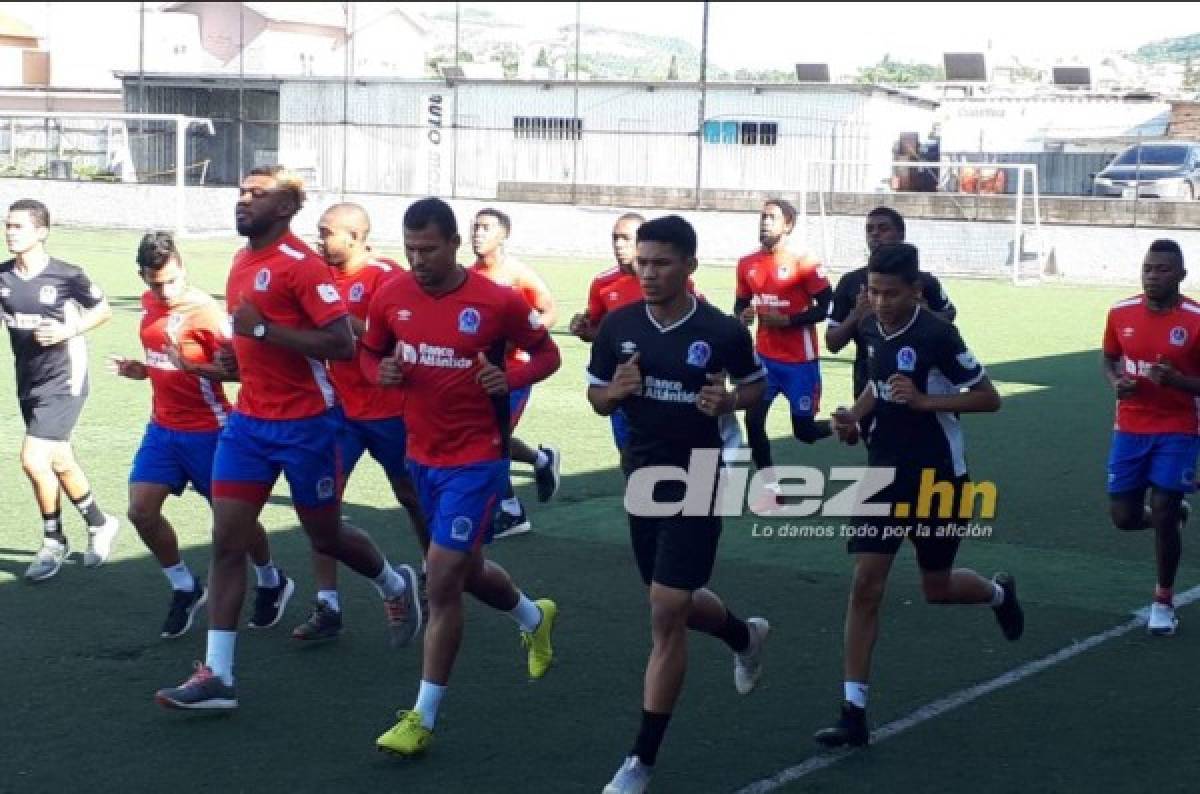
{"x": 517, "y": 400}
{"x": 175, "y": 458}
{"x": 385, "y": 439}
{"x": 799, "y": 383}
{"x": 459, "y": 501}
{"x": 252, "y": 452}
{"x": 1165, "y": 460}
{"x": 620, "y": 429}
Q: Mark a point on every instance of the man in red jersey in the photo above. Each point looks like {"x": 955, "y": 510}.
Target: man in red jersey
{"x": 787, "y": 295}
{"x": 374, "y": 415}
{"x": 1152, "y": 362}
{"x": 182, "y": 330}
{"x": 489, "y": 233}
{"x": 440, "y": 334}
{"x": 288, "y": 319}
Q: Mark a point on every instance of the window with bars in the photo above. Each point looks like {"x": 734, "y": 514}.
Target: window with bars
{"x": 746, "y": 133}
{"x": 547, "y": 128}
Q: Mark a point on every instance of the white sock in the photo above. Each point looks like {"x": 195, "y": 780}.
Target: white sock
{"x": 180, "y": 577}
{"x": 511, "y": 506}
{"x": 429, "y": 699}
{"x": 542, "y": 460}
{"x": 997, "y": 595}
{"x": 53, "y": 543}
{"x": 267, "y": 575}
{"x": 389, "y": 583}
{"x": 856, "y": 693}
{"x": 526, "y": 613}
{"x": 330, "y": 597}
{"x": 219, "y": 656}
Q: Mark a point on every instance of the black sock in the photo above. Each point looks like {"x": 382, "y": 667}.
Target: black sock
{"x": 52, "y": 526}
{"x": 650, "y": 736}
{"x": 90, "y": 511}
{"x": 735, "y": 633}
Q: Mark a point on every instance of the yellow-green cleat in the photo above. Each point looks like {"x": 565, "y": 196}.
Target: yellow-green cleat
{"x": 541, "y": 654}
{"x": 408, "y": 737}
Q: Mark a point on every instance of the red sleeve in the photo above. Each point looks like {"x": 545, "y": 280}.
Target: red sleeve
{"x": 1112, "y": 344}
{"x": 378, "y": 339}
{"x": 317, "y": 294}
{"x": 211, "y": 330}
{"x": 815, "y": 281}
{"x": 523, "y": 328}
{"x": 535, "y": 291}
{"x": 743, "y": 287}
{"x": 595, "y": 303}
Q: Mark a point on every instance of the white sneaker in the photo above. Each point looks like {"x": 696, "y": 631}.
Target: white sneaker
{"x": 631, "y": 778}
{"x": 48, "y": 560}
{"x": 747, "y": 666}
{"x": 1162, "y": 622}
{"x": 100, "y": 542}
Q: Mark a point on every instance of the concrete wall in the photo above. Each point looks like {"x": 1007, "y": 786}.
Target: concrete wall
{"x": 1084, "y": 254}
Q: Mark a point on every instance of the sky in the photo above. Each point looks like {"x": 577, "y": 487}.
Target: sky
{"x": 847, "y": 35}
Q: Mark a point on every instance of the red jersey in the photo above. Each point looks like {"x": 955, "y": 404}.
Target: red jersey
{"x": 512, "y": 272}
{"x": 451, "y": 420}
{"x": 786, "y": 283}
{"x": 1139, "y": 337}
{"x": 198, "y": 327}
{"x": 613, "y": 289}
{"x": 291, "y": 286}
{"x": 360, "y": 398}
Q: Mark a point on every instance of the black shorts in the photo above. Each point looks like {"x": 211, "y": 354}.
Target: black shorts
{"x": 936, "y": 548}
{"x": 51, "y": 418}
{"x": 675, "y": 551}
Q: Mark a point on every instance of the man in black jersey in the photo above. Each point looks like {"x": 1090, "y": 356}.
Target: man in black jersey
{"x": 850, "y": 304}
{"x": 920, "y": 376}
{"x": 664, "y": 361}
{"x": 48, "y": 305}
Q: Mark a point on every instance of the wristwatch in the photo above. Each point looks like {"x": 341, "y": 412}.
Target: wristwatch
{"x": 259, "y": 331}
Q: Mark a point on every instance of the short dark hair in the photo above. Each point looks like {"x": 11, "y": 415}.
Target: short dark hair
{"x": 785, "y": 206}
{"x": 672, "y": 230}
{"x": 431, "y": 211}
{"x": 632, "y": 216}
{"x": 1165, "y": 246}
{"x": 896, "y": 218}
{"x": 501, "y": 218}
{"x": 896, "y": 259}
{"x": 36, "y": 209}
{"x": 157, "y": 249}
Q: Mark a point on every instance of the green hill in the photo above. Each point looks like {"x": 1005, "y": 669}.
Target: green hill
{"x": 1173, "y": 50}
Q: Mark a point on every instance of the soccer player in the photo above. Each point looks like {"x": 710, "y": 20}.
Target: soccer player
{"x": 288, "y": 318}
{"x": 489, "y": 233}
{"x": 664, "y": 361}
{"x": 48, "y": 305}
{"x": 787, "y": 295}
{"x": 920, "y": 377}
{"x": 612, "y": 289}
{"x": 182, "y": 330}
{"x": 440, "y": 333}
{"x": 850, "y": 303}
{"x": 374, "y": 415}
{"x": 1152, "y": 361}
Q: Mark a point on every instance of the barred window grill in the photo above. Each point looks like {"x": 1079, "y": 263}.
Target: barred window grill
{"x": 745, "y": 133}
{"x": 545, "y": 128}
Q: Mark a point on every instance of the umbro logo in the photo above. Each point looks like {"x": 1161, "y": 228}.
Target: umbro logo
{"x": 1126, "y": 332}
{"x": 628, "y": 348}
{"x": 404, "y": 314}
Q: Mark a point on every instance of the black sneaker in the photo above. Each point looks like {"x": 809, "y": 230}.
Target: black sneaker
{"x": 325, "y": 623}
{"x": 851, "y": 729}
{"x": 1009, "y": 614}
{"x": 184, "y": 605}
{"x": 506, "y": 524}
{"x": 548, "y": 477}
{"x": 269, "y": 602}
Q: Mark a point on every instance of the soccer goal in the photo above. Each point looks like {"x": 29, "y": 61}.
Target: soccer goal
{"x": 978, "y": 220}
{"x": 121, "y": 170}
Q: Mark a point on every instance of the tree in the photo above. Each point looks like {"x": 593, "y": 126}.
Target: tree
{"x": 542, "y": 59}
{"x": 673, "y": 69}
{"x": 895, "y": 72}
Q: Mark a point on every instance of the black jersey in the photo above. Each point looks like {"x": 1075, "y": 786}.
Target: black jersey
{"x": 845, "y": 296}
{"x": 665, "y": 423}
{"x": 56, "y": 293}
{"x": 930, "y": 352}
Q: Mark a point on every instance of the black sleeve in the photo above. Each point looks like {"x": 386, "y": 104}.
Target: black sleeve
{"x": 83, "y": 291}
{"x": 815, "y": 313}
{"x": 740, "y": 305}
{"x": 741, "y": 362}
{"x": 956, "y": 362}
{"x": 603, "y": 362}
{"x": 843, "y": 301}
{"x": 935, "y": 296}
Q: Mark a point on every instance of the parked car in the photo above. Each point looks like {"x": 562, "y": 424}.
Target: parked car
{"x": 1152, "y": 170}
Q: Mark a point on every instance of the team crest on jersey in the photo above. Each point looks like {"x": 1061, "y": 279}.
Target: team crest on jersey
{"x": 468, "y": 321}
{"x": 47, "y": 295}
{"x": 698, "y": 354}
{"x": 628, "y": 348}
{"x": 1179, "y": 336}
{"x": 262, "y": 280}
{"x": 460, "y": 529}
{"x": 356, "y": 292}
{"x": 906, "y": 359}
